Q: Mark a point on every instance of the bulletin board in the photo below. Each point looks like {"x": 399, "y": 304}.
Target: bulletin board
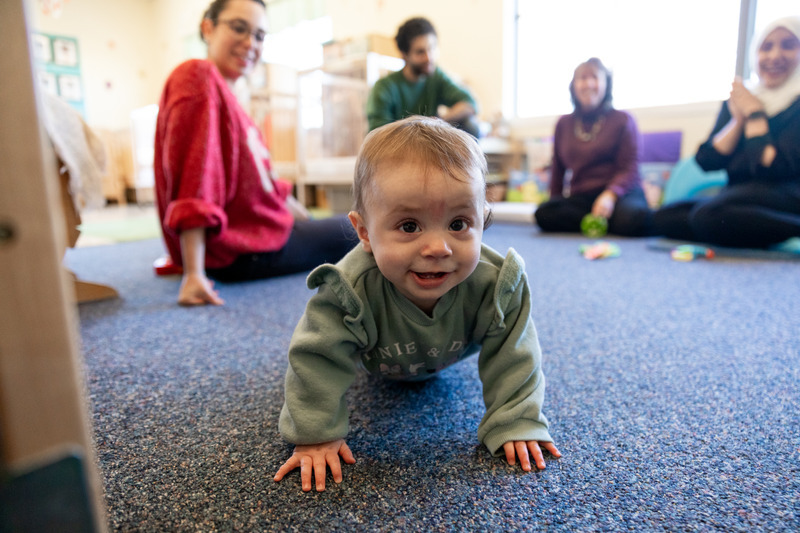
{"x": 58, "y": 68}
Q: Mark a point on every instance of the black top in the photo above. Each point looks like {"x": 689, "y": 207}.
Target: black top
{"x": 744, "y": 164}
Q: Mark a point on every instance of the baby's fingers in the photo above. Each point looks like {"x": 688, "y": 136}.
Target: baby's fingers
{"x": 522, "y": 453}
{"x": 335, "y": 465}
{"x": 287, "y": 467}
{"x": 551, "y": 447}
{"x": 336, "y": 468}
{"x": 511, "y": 455}
{"x": 320, "y": 471}
{"x": 536, "y": 452}
{"x": 346, "y": 454}
{"x": 306, "y": 469}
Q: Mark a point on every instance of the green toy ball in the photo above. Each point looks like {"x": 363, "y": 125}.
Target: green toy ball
{"x": 594, "y": 226}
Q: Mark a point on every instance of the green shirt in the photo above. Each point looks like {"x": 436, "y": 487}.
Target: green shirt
{"x": 359, "y": 319}
{"x": 393, "y": 97}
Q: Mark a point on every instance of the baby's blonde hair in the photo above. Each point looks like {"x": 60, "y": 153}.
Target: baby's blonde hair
{"x": 430, "y": 141}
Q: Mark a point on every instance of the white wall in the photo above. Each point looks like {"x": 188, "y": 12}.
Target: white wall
{"x": 176, "y": 26}
{"x": 117, "y": 54}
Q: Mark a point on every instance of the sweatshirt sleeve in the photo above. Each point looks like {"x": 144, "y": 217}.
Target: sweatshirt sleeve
{"x": 627, "y": 176}
{"x": 510, "y": 366}
{"x": 786, "y": 165}
{"x": 193, "y": 162}
{"x": 323, "y": 359}
{"x": 707, "y": 156}
{"x": 381, "y": 105}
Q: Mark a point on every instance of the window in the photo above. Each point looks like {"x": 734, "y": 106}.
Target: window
{"x": 660, "y": 53}
{"x": 769, "y": 10}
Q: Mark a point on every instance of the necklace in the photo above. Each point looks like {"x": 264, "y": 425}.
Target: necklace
{"x": 590, "y": 135}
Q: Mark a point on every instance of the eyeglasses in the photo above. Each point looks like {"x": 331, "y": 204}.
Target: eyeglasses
{"x": 242, "y": 30}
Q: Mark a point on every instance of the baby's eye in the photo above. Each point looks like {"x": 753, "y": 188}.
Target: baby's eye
{"x": 409, "y": 227}
{"x": 458, "y": 225}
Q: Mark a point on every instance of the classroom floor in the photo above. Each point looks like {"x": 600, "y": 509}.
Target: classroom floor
{"x": 117, "y": 223}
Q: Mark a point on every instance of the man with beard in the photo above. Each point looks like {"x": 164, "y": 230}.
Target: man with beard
{"x": 421, "y": 87}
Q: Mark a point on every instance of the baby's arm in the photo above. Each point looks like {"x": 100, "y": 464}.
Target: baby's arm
{"x": 510, "y": 366}
{"x": 317, "y": 457}
{"x": 521, "y": 449}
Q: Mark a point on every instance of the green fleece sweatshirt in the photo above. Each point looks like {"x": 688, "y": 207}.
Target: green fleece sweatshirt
{"x": 393, "y": 97}
{"x": 359, "y": 319}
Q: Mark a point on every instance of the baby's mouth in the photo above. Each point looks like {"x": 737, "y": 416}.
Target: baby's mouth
{"x": 430, "y": 275}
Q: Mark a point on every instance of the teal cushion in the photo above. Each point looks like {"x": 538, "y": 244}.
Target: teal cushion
{"x": 688, "y": 180}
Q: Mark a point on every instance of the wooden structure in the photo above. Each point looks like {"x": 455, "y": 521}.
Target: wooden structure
{"x": 49, "y": 479}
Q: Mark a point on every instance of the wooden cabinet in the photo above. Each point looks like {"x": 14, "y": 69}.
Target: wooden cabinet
{"x": 314, "y": 122}
{"x": 332, "y": 123}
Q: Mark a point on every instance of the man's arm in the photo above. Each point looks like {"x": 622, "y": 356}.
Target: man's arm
{"x": 458, "y": 112}
{"x": 460, "y": 102}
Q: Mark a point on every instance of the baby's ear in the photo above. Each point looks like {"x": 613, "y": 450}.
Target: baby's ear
{"x": 361, "y": 230}
{"x": 488, "y": 215}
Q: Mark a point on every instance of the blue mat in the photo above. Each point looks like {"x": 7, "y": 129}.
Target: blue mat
{"x": 673, "y": 394}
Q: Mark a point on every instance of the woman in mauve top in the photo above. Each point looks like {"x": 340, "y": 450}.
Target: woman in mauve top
{"x": 595, "y": 162}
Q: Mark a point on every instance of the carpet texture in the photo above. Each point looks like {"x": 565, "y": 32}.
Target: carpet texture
{"x": 673, "y": 390}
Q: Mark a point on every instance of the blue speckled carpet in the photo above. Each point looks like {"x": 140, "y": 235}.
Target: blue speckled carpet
{"x": 673, "y": 390}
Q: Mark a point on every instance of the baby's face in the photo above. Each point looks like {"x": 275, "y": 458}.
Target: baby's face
{"x": 424, "y": 229}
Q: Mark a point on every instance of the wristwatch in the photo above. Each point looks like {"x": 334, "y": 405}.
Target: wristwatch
{"x": 755, "y": 115}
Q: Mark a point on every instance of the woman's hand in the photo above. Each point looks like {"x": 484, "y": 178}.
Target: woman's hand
{"x": 298, "y": 210}
{"x": 197, "y": 289}
{"x": 604, "y": 205}
{"x": 742, "y": 102}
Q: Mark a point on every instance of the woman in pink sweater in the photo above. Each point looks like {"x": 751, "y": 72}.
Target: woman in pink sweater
{"x": 224, "y": 214}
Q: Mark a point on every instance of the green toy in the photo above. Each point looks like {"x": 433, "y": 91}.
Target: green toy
{"x": 594, "y": 226}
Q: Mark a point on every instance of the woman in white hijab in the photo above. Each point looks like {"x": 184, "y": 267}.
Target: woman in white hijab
{"x": 756, "y": 139}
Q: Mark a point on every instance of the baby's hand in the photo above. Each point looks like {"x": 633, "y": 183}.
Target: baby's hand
{"x": 317, "y": 457}
{"x": 520, "y": 448}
